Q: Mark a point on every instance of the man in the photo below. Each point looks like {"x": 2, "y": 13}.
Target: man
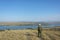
{"x": 39, "y": 30}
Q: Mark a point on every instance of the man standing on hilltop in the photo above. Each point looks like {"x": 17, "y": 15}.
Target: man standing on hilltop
{"x": 39, "y": 30}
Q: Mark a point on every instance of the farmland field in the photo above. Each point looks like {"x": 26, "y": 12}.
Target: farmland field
{"x": 28, "y": 35}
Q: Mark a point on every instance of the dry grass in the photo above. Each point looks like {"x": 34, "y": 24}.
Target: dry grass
{"x": 28, "y": 35}
{"x": 16, "y": 35}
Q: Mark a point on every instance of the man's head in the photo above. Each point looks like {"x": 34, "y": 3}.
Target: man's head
{"x": 39, "y": 24}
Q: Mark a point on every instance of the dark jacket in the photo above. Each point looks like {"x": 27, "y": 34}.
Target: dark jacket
{"x": 39, "y": 29}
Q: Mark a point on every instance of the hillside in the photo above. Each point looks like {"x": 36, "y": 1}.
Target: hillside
{"x": 29, "y": 35}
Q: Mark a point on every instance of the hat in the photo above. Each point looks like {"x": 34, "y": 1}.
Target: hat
{"x": 39, "y": 24}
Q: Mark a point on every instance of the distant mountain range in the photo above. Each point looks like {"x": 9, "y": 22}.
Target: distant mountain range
{"x": 28, "y": 23}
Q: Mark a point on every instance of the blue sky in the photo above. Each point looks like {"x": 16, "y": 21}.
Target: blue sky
{"x": 29, "y": 10}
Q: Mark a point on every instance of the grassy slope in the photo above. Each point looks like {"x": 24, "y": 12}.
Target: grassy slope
{"x": 27, "y": 35}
